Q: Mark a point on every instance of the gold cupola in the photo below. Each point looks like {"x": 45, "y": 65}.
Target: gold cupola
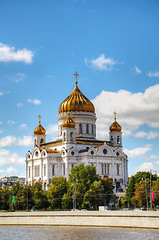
{"x": 39, "y": 130}
{"x": 76, "y": 101}
{"x": 115, "y": 127}
{"x": 69, "y": 123}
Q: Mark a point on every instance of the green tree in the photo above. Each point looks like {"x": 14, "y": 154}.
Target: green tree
{"x": 155, "y": 189}
{"x": 56, "y": 191}
{"x": 94, "y": 196}
{"x": 5, "y": 198}
{"x": 39, "y": 197}
{"x": 108, "y": 189}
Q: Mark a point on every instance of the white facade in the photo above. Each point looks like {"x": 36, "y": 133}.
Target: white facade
{"x": 74, "y": 146}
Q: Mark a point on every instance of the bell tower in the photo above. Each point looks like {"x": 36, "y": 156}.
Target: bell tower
{"x": 39, "y": 134}
{"x": 115, "y": 134}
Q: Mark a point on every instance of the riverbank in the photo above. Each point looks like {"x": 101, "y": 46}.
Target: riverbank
{"x": 122, "y": 219}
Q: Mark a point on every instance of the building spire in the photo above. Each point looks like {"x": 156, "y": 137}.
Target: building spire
{"x": 76, "y": 74}
{"x": 39, "y": 118}
{"x": 115, "y": 113}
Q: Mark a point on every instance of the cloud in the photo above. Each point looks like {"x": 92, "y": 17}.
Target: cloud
{"x": 11, "y": 171}
{"x": 140, "y": 152}
{"x": 101, "y": 63}
{"x": 153, "y": 74}
{"x": 135, "y": 109}
{"x": 137, "y": 70}
{"x": 19, "y": 105}
{"x": 19, "y": 77}
{"x": 34, "y": 101}
{"x": 25, "y": 141}
{"x": 23, "y": 126}
{"x": 1, "y": 93}
{"x": 146, "y": 166}
{"x": 9, "y": 54}
{"x": 8, "y": 158}
{"x": 147, "y": 135}
{"x": 52, "y": 130}
{"x": 1, "y": 123}
{"x": 10, "y": 122}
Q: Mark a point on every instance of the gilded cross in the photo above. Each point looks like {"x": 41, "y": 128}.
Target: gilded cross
{"x": 76, "y": 74}
{"x": 39, "y": 118}
{"x": 115, "y": 115}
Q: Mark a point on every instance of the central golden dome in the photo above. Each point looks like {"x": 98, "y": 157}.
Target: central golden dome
{"x": 76, "y": 101}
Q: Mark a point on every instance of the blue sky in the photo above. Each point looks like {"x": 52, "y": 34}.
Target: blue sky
{"x": 113, "y": 45}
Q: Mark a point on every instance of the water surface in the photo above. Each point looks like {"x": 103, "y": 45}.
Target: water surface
{"x": 74, "y": 233}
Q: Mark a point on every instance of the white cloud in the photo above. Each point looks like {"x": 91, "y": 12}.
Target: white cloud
{"x": 0, "y": 123}
{"x": 140, "y": 152}
{"x": 52, "y": 130}
{"x": 19, "y": 105}
{"x": 137, "y": 70}
{"x": 146, "y": 166}
{"x": 101, "y": 63}
{"x": 25, "y": 141}
{"x": 34, "y": 101}
{"x": 153, "y": 74}
{"x": 1, "y": 94}
{"x": 23, "y": 126}
{"x": 148, "y": 135}
{"x": 9, "y": 54}
{"x": 10, "y": 122}
{"x": 8, "y": 158}
{"x": 19, "y": 77}
{"x": 11, "y": 171}
{"x": 135, "y": 109}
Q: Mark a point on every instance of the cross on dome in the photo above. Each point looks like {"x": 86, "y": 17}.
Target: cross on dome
{"x": 115, "y": 113}
{"x": 76, "y": 74}
{"x": 39, "y": 118}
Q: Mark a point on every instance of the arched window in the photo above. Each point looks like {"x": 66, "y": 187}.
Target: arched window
{"x": 87, "y": 129}
{"x": 118, "y": 139}
{"x": 80, "y": 128}
{"x": 71, "y": 136}
{"x": 41, "y": 141}
{"x": 60, "y": 130}
{"x": 35, "y": 142}
{"x": 64, "y": 136}
{"x": 53, "y": 169}
{"x": 111, "y": 138}
{"x": 92, "y": 129}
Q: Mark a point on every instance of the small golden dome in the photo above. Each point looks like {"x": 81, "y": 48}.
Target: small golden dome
{"x": 69, "y": 123}
{"x": 76, "y": 101}
{"x": 39, "y": 130}
{"x": 115, "y": 127}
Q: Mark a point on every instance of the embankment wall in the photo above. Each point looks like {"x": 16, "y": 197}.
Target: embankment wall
{"x": 124, "y": 219}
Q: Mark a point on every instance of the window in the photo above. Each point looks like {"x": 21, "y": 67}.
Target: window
{"x": 87, "y": 129}
{"x": 80, "y": 128}
{"x": 92, "y": 129}
{"x": 118, "y": 139}
{"x": 117, "y": 169}
{"x": 41, "y": 141}
{"x": 117, "y": 154}
{"x": 105, "y": 151}
{"x": 92, "y": 152}
{"x": 29, "y": 172}
{"x": 37, "y": 171}
{"x": 45, "y": 170}
{"x": 111, "y": 138}
{"x": 64, "y": 136}
{"x": 35, "y": 142}
{"x": 72, "y": 153}
{"x": 60, "y": 130}
{"x": 108, "y": 170}
{"x": 53, "y": 170}
{"x": 71, "y": 136}
{"x": 102, "y": 168}
{"x": 36, "y": 153}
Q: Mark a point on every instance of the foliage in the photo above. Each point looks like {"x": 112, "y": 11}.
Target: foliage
{"x": 56, "y": 191}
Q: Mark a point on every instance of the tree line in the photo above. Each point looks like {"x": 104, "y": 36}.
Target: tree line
{"x": 84, "y": 187}
{"x": 139, "y": 191}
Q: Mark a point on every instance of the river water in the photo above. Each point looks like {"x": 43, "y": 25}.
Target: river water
{"x": 74, "y": 233}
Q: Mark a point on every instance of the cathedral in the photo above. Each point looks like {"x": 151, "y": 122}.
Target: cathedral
{"x": 77, "y": 143}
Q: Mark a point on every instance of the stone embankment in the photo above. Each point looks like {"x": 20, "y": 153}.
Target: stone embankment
{"x": 123, "y": 219}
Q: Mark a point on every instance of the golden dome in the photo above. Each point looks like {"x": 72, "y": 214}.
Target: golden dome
{"x": 115, "y": 127}
{"x": 76, "y": 101}
{"x": 69, "y": 123}
{"x": 39, "y": 130}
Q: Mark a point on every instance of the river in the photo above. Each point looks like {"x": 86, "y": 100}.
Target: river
{"x": 74, "y": 233}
